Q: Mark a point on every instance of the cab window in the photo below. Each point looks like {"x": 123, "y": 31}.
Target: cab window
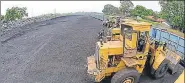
{"x": 127, "y": 31}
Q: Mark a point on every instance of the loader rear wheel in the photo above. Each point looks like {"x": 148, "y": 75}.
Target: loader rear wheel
{"x": 126, "y": 76}
{"x": 162, "y": 70}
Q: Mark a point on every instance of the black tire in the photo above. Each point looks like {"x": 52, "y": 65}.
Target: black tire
{"x": 161, "y": 71}
{"x": 124, "y": 74}
{"x": 147, "y": 64}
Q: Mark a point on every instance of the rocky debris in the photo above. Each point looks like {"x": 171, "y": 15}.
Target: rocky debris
{"x": 19, "y": 27}
{"x": 25, "y": 21}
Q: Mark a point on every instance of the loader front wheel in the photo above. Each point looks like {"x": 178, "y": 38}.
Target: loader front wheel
{"x": 162, "y": 70}
{"x": 126, "y": 76}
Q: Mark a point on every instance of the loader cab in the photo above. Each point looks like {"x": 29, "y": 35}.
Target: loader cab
{"x": 134, "y": 43}
{"x": 135, "y": 36}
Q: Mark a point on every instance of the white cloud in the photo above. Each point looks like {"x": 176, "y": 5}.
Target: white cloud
{"x": 42, "y": 7}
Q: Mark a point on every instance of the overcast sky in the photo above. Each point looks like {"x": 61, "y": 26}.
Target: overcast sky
{"x": 43, "y": 7}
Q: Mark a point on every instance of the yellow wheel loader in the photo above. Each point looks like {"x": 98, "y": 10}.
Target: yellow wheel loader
{"x": 126, "y": 59}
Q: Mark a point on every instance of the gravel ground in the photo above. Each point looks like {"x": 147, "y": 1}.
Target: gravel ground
{"x": 53, "y": 51}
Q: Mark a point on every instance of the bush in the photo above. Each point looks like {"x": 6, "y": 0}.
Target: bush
{"x": 15, "y": 13}
{"x": 2, "y": 17}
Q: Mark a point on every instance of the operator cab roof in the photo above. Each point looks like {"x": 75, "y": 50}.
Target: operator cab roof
{"x": 138, "y": 26}
{"x": 136, "y": 23}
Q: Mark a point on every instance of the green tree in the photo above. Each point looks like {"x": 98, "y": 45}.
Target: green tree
{"x": 173, "y": 12}
{"x": 162, "y": 15}
{"x": 15, "y": 13}
{"x": 110, "y": 10}
{"x": 126, "y": 7}
{"x": 141, "y": 11}
{"x": 149, "y": 12}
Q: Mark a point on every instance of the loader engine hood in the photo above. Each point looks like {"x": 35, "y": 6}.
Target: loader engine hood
{"x": 110, "y": 48}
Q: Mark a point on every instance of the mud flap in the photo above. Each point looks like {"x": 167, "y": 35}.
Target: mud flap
{"x": 174, "y": 60}
{"x": 175, "y": 69}
{"x": 100, "y": 76}
{"x": 91, "y": 64}
{"x": 92, "y": 69}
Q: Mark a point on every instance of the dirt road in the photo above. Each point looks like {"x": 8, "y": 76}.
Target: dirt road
{"x": 53, "y": 52}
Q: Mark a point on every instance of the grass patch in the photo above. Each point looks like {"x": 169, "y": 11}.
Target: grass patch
{"x": 176, "y": 32}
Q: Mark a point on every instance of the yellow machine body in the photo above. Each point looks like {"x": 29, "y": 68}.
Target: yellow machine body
{"x": 109, "y": 57}
{"x": 115, "y": 33}
{"x": 114, "y": 49}
{"x": 180, "y": 79}
{"x": 161, "y": 54}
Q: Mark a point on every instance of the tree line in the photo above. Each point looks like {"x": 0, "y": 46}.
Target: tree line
{"x": 172, "y": 11}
